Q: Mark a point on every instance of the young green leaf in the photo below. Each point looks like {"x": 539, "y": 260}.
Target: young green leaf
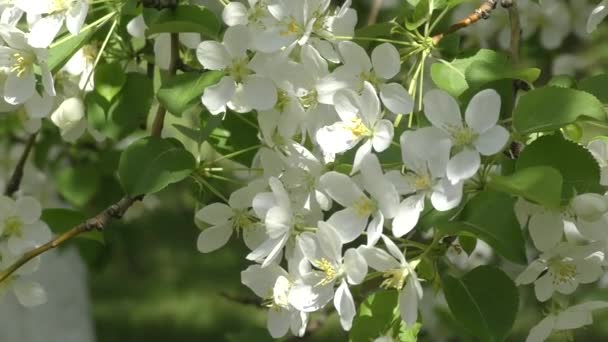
{"x": 183, "y": 91}
{"x": 540, "y": 184}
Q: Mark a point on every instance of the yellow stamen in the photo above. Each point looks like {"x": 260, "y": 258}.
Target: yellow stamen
{"x": 364, "y": 206}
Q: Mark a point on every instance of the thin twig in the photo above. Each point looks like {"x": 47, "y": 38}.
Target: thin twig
{"x": 373, "y": 12}
{"x": 15, "y": 181}
{"x": 99, "y": 222}
{"x": 482, "y": 12}
{"x": 514, "y": 19}
{"x": 159, "y": 119}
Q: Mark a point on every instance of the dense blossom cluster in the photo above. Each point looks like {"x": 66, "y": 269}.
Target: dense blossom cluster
{"x": 344, "y": 180}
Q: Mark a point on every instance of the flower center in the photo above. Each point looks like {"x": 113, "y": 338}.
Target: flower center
{"x": 562, "y": 271}
{"x": 364, "y": 206}
{"x": 282, "y": 101}
{"x": 291, "y": 28}
{"x": 61, "y": 5}
{"x": 370, "y": 77}
{"x": 422, "y": 182}
{"x": 239, "y": 69}
{"x": 330, "y": 271}
{"x": 23, "y": 63}
{"x": 309, "y": 100}
{"x": 463, "y": 136}
{"x": 13, "y": 226}
{"x": 358, "y": 128}
{"x": 90, "y": 53}
{"x": 394, "y": 278}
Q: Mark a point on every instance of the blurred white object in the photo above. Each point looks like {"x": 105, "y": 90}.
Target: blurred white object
{"x": 66, "y": 317}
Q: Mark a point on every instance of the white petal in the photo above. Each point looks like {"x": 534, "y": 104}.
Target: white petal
{"x": 348, "y": 223}
{"x": 18, "y": 89}
{"x": 28, "y": 209}
{"x": 214, "y": 238}
{"x": 278, "y": 320}
{"x": 383, "y": 135}
{"x": 598, "y": 14}
{"x": 261, "y": 280}
{"x": 408, "y": 303}
{"x": 408, "y": 215}
{"x": 75, "y": 16}
{"x": 45, "y": 30}
{"x": 216, "y": 96}
{"x": 137, "y": 27}
{"x": 309, "y": 297}
{"x": 492, "y": 141}
{"x": 378, "y": 259}
{"x": 237, "y": 40}
{"x": 341, "y": 188}
{"x": 531, "y": 273}
{"x": 212, "y": 55}
{"x": 379, "y": 187}
{"x": 463, "y": 166}
{"x": 483, "y": 111}
{"x": 441, "y": 109}
{"x": 374, "y": 229}
{"x": 396, "y": 99}
{"x": 278, "y": 222}
{"x": 347, "y": 104}
{"x": 543, "y": 287}
{"x": 546, "y": 230}
{"x": 38, "y": 107}
{"x": 29, "y": 293}
{"x": 362, "y": 152}
{"x": 354, "y": 56}
{"x": 259, "y": 93}
{"x": 369, "y": 104}
{"x": 446, "y": 196}
{"x": 386, "y": 61}
{"x": 345, "y": 306}
{"x": 214, "y": 214}
{"x": 329, "y": 241}
{"x": 234, "y": 14}
{"x": 541, "y": 331}
{"x": 355, "y": 266}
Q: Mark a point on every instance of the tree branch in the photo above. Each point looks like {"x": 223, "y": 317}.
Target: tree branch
{"x": 15, "y": 181}
{"x": 99, "y": 222}
{"x": 373, "y": 12}
{"x": 115, "y": 211}
{"x": 515, "y": 22}
{"x": 482, "y": 12}
{"x": 159, "y": 119}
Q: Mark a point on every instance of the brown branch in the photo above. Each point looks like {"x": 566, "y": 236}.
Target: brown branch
{"x": 15, "y": 181}
{"x": 515, "y": 21}
{"x": 159, "y": 119}
{"x": 482, "y": 12}
{"x": 373, "y": 12}
{"x": 98, "y": 222}
{"x": 115, "y": 211}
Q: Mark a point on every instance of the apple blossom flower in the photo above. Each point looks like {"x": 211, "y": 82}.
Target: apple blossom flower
{"x": 574, "y": 317}
{"x": 479, "y": 134}
{"x": 19, "y": 59}
{"x": 399, "y": 274}
{"x": 562, "y": 268}
{"x": 360, "y": 121}
{"x": 54, "y": 13}
{"x": 20, "y": 224}
{"x": 425, "y": 178}
{"x": 324, "y": 251}
{"x": 240, "y": 89}
{"x": 383, "y": 204}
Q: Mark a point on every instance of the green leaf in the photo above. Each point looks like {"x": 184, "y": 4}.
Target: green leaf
{"x": 474, "y": 71}
{"x": 184, "y": 90}
{"x": 376, "y": 317}
{"x": 579, "y": 170}
{"x": 490, "y": 217}
{"x": 62, "y": 220}
{"x": 128, "y": 110}
{"x": 184, "y": 18}
{"x": 419, "y": 15}
{"x": 550, "y": 108}
{"x": 79, "y": 184}
{"x": 540, "y": 184}
{"x": 61, "y": 53}
{"x": 151, "y": 164}
{"x": 485, "y": 301}
{"x": 109, "y": 80}
{"x": 596, "y": 85}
